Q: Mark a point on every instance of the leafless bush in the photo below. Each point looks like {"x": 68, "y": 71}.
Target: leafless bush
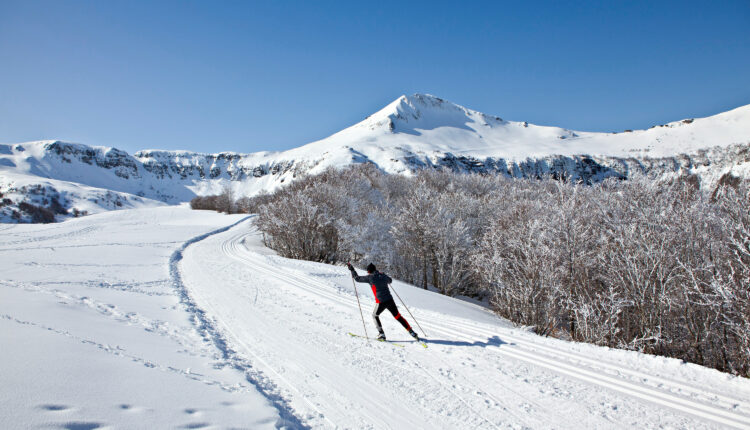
{"x": 78, "y": 213}
{"x": 38, "y": 214}
{"x": 204, "y": 203}
{"x": 299, "y": 228}
{"x": 223, "y": 202}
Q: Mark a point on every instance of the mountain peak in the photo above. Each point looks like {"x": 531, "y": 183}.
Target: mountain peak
{"x": 428, "y": 100}
{"x": 424, "y": 102}
{"x": 424, "y": 111}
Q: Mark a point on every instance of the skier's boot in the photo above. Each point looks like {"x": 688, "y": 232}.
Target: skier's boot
{"x": 381, "y": 337}
{"x": 414, "y": 335}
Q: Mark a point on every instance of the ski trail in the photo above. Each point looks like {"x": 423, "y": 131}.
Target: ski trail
{"x": 332, "y": 413}
{"x": 585, "y": 370}
{"x": 268, "y": 286}
{"x": 655, "y": 381}
{"x": 376, "y": 396}
{"x": 208, "y": 330}
{"x": 305, "y": 283}
{"x": 299, "y": 282}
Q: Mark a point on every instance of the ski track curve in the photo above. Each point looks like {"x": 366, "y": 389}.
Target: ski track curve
{"x": 651, "y": 390}
{"x": 207, "y": 328}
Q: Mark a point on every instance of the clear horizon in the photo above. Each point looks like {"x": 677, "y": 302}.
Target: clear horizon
{"x": 248, "y": 77}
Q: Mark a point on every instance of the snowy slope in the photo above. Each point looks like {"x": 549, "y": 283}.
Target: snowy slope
{"x": 94, "y": 333}
{"x": 426, "y": 131}
{"x": 72, "y": 196}
{"x": 424, "y": 124}
{"x": 171, "y": 318}
{"x": 411, "y": 133}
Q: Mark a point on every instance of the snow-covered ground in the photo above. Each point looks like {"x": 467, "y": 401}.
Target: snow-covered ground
{"x": 94, "y": 333}
{"x": 166, "y": 317}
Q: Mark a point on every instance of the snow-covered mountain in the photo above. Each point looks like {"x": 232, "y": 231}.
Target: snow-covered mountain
{"x": 430, "y": 125}
{"x": 411, "y": 133}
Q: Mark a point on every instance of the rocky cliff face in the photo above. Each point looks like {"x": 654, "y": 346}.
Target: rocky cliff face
{"x": 227, "y": 165}
{"x": 708, "y": 164}
{"x": 114, "y": 179}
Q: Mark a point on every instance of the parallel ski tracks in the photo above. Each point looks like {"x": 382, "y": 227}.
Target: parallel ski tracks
{"x": 232, "y": 248}
{"x": 604, "y": 365}
{"x": 648, "y": 388}
{"x": 643, "y": 392}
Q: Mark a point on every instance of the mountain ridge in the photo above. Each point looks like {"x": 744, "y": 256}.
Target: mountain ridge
{"x": 408, "y": 134}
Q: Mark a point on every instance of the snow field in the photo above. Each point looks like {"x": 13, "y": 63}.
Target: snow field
{"x": 94, "y": 335}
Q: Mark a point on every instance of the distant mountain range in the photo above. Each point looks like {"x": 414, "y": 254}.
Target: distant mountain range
{"x": 411, "y": 133}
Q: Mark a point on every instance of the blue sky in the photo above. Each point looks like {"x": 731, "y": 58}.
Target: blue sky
{"x": 251, "y": 76}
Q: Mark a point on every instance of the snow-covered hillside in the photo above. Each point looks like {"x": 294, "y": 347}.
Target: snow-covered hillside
{"x": 424, "y": 124}
{"x": 172, "y": 318}
{"x": 411, "y": 133}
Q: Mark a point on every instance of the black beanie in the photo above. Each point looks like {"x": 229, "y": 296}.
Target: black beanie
{"x": 371, "y": 268}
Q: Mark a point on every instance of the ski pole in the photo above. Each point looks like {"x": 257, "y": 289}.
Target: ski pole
{"x": 407, "y": 310}
{"x": 360, "y": 310}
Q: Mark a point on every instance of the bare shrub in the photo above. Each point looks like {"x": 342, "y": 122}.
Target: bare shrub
{"x": 203, "y": 203}
{"x": 298, "y": 228}
{"x": 225, "y": 201}
{"x": 38, "y": 214}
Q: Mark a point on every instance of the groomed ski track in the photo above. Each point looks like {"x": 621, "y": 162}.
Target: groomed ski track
{"x": 285, "y": 323}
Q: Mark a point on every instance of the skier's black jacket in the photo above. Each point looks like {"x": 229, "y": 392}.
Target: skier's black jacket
{"x": 379, "y": 283}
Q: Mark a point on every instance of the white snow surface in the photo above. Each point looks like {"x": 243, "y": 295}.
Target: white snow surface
{"x": 94, "y": 333}
{"x": 166, "y": 318}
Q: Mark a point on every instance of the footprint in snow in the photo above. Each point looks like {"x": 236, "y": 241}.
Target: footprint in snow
{"x": 80, "y": 425}
{"x": 54, "y": 408}
{"x": 196, "y": 425}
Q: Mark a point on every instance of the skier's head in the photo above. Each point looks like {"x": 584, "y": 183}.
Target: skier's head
{"x": 371, "y": 268}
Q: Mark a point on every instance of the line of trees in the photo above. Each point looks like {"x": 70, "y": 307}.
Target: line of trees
{"x": 661, "y": 267}
{"x": 226, "y": 202}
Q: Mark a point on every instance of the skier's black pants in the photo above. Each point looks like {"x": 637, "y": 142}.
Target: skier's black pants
{"x": 391, "y": 306}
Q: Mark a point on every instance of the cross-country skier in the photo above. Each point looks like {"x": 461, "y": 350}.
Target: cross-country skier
{"x": 383, "y": 299}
